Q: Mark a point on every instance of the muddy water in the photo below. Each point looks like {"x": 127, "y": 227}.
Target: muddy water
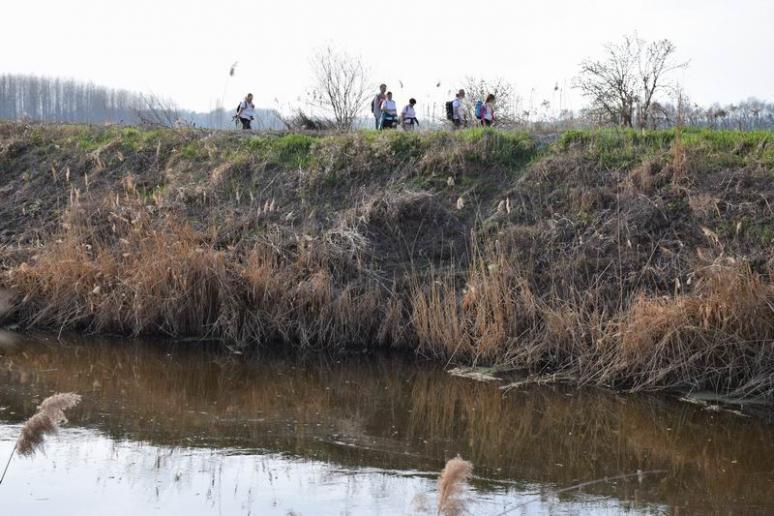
{"x": 181, "y": 430}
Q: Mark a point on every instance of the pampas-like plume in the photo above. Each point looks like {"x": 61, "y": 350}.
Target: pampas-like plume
{"x": 55, "y": 406}
{"x": 45, "y": 422}
{"x": 34, "y": 432}
{"x": 451, "y": 483}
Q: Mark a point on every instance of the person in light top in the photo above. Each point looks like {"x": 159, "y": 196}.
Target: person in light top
{"x": 246, "y": 111}
{"x": 408, "y": 117}
{"x": 376, "y": 105}
{"x": 459, "y": 116}
{"x": 389, "y": 111}
{"x": 487, "y": 111}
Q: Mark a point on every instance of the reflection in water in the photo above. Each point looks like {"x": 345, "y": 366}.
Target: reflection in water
{"x": 186, "y": 431}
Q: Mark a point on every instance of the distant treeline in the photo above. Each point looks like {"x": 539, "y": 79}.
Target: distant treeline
{"x": 25, "y": 97}
{"x": 747, "y": 115}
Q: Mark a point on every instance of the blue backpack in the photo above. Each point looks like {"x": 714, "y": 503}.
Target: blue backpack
{"x": 479, "y": 105}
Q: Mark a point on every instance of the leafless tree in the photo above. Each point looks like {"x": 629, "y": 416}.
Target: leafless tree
{"x": 158, "y": 112}
{"x": 341, "y": 86}
{"x": 506, "y": 99}
{"x": 623, "y": 85}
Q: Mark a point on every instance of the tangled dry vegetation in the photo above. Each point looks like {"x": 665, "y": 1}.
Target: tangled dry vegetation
{"x": 599, "y": 257}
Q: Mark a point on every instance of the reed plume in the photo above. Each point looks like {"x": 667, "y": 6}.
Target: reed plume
{"x": 451, "y": 484}
{"x": 45, "y": 422}
{"x": 55, "y": 406}
{"x": 33, "y": 433}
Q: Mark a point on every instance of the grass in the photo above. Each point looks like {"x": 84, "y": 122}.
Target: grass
{"x": 616, "y": 148}
{"x": 611, "y": 263}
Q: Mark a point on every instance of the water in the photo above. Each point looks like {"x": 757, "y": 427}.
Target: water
{"x": 181, "y": 430}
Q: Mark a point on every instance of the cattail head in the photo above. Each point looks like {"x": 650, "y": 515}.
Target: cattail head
{"x": 451, "y": 484}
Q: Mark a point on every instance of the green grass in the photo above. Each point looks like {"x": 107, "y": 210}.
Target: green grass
{"x": 405, "y": 144}
{"x": 293, "y": 150}
{"x": 507, "y": 149}
{"x": 289, "y": 151}
{"x": 194, "y": 151}
{"x": 90, "y": 139}
{"x": 624, "y": 148}
{"x": 382, "y": 151}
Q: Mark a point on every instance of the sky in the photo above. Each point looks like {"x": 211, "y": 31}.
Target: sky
{"x": 183, "y": 50}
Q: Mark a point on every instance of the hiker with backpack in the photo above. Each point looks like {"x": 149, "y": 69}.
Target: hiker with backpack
{"x": 455, "y": 111}
{"x": 389, "y": 112}
{"x": 408, "y": 117}
{"x": 245, "y": 112}
{"x": 376, "y": 105}
{"x": 485, "y": 111}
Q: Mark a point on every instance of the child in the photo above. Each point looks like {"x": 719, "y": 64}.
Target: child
{"x": 408, "y": 117}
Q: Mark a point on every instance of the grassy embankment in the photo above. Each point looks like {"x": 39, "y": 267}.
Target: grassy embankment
{"x": 617, "y": 258}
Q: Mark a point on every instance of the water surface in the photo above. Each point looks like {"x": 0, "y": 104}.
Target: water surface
{"x": 177, "y": 429}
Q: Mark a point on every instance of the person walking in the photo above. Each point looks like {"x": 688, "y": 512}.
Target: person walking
{"x": 408, "y": 117}
{"x": 459, "y": 116}
{"x": 376, "y": 105}
{"x": 487, "y": 111}
{"x": 389, "y": 110}
{"x": 246, "y": 112}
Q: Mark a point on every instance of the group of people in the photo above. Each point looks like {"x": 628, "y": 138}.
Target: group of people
{"x": 386, "y": 115}
{"x": 385, "y": 111}
{"x": 457, "y": 112}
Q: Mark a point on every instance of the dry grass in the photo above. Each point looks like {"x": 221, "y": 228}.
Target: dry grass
{"x": 718, "y": 336}
{"x": 128, "y": 274}
{"x": 135, "y": 275}
{"x": 577, "y": 264}
{"x": 480, "y": 322}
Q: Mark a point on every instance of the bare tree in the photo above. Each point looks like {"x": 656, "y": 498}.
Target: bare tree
{"x": 158, "y": 112}
{"x": 341, "y": 87}
{"x": 507, "y": 102}
{"x": 623, "y": 85}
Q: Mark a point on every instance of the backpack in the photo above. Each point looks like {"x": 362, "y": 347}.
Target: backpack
{"x": 479, "y": 105}
{"x": 450, "y": 110}
{"x": 239, "y": 107}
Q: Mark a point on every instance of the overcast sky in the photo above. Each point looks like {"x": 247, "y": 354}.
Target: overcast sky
{"x": 183, "y": 49}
